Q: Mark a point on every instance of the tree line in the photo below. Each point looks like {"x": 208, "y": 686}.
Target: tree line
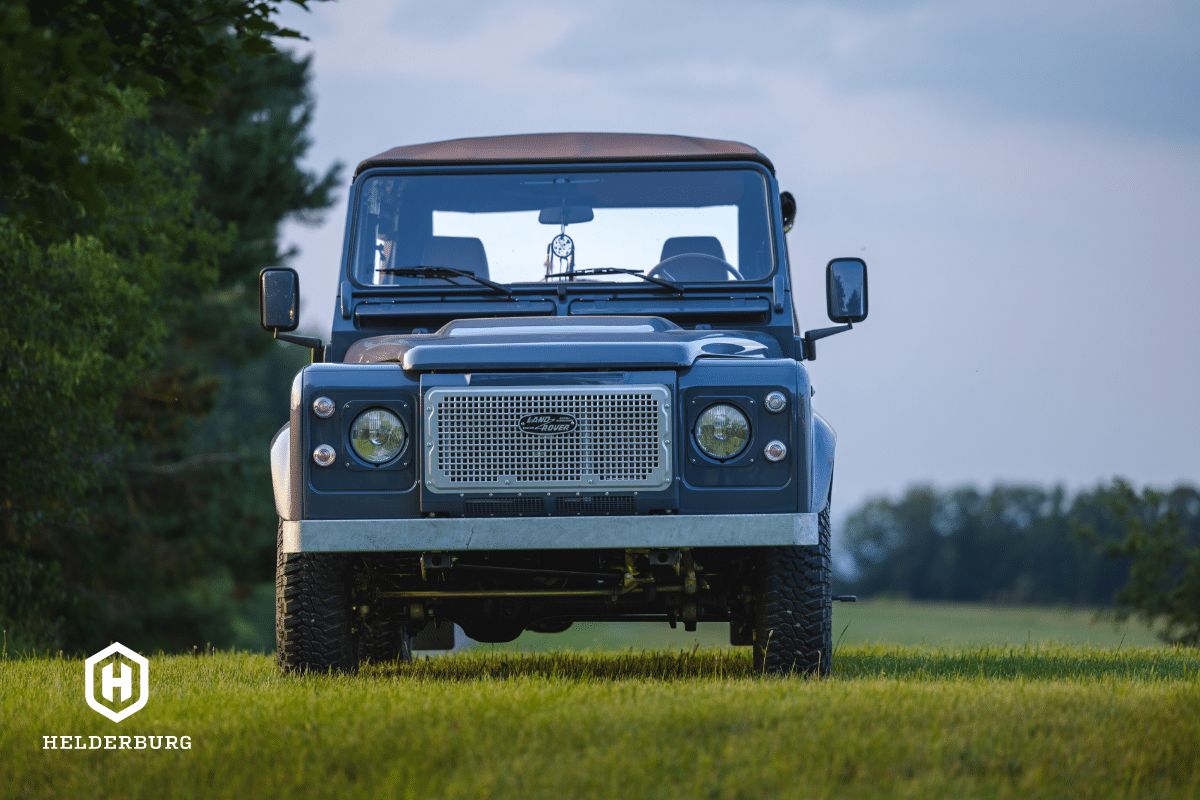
{"x": 1109, "y": 546}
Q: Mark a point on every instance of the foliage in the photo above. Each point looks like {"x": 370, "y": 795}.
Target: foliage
{"x": 67, "y": 59}
{"x": 195, "y": 490}
{"x": 1160, "y": 536}
{"x": 1009, "y": 544}
{"x": 83, "y": 320}
{"x": 130, "y": 239}
{"x": 188, "y": 511}
{"x": 903, "y": 722}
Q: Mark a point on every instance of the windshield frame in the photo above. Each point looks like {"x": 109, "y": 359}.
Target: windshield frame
{"x": 774, "y": 223}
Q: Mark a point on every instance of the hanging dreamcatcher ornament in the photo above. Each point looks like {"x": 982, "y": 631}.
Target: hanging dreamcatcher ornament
{"x": 560, "y": 253}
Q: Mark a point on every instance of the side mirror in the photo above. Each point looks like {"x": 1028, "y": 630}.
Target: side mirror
{"x": 846, "y": 289}
{"x": 279, "y": 308}
{"x": 279, "y": 299}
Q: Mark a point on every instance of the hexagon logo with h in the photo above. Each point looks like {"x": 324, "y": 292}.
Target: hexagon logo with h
{"x": 116, "y": 682}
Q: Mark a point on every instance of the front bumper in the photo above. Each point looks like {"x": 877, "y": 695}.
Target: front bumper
{"x": 548, "y": 533}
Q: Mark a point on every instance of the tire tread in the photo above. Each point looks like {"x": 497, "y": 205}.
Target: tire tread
{"x": 313, "y": 614}
{"x": 794, "y": 608}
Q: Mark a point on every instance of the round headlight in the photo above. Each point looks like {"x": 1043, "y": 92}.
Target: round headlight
{"x": 377, "y": 435}
{"x": 722, "y": 431}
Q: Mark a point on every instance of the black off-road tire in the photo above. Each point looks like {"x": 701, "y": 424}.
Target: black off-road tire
{"x": 314, "y": 615}
{"x": 793, "y": 608}
{"x": 384, "y": 640}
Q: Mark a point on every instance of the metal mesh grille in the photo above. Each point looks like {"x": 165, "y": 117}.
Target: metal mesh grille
{"x": 616, "y": 438}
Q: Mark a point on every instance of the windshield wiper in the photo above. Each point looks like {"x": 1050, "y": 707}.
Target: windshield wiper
{"x": 617, "y": 271}
{"x": 445, "y": 273}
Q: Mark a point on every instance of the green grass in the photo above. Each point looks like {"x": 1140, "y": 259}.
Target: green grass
{"x": 988, "y": 721}
{"x": 867, "y": 621}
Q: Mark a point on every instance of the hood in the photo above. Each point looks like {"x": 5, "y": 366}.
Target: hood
{"x": 534, "y": 343}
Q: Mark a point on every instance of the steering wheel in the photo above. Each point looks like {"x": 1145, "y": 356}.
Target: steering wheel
{"x": 695, "y": 268}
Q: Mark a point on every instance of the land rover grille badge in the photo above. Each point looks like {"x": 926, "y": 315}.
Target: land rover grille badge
{"x": 547, "y": 424}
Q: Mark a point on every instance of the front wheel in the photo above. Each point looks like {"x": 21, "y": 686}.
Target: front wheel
{"x": 314, "y": 622}
{"x": 793, "y": 608}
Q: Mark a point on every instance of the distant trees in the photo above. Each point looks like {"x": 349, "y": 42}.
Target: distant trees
{"x": 1157, "y": 533}
{"x": 1012, "y": 543}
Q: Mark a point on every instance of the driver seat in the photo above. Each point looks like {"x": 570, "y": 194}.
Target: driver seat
{"x": 710, "y": 266}
{"x": 705, "y": 245}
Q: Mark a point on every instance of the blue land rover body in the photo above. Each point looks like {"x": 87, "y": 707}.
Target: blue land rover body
{"x": 564, "y": 384}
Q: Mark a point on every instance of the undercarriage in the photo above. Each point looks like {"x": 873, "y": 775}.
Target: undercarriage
{"x": 495, "y": 596}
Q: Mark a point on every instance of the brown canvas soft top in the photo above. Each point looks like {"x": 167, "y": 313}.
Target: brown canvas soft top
{"x": 561, "y": 148}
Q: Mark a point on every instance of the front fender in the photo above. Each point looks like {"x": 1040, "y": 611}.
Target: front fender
{"x": 824, "y": 441}
{"x": 281, "y": 473}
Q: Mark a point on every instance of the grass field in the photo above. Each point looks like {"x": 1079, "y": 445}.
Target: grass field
{"x": 1029, "y": 721}
{"x": 865, "y": 622}
{"x": 900, "y": 622}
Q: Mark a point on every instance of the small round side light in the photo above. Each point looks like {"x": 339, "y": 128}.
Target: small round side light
{"x": 775, "y": 402}
{"x": 324, "y": 455}
{"x": 775, "y": 451}
{"x": 323, "y": 407}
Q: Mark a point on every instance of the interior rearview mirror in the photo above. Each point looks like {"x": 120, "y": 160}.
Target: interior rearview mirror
{"x": 566, "y": 215}
{"x": 279, "y": 299}
{"x": 846, "y": 289}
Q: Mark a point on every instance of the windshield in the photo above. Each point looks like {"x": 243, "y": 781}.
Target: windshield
{"x": 683, "y": 226}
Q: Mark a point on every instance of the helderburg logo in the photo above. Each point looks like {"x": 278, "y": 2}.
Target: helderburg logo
{"x": 547, "y": 424}
{"x": 120, "y": 694}
{"x": 122, "y": 689}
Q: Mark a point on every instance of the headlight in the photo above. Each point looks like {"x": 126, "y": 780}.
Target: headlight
{"x": 722, "y": 431}
{"x": 377, "y": 435}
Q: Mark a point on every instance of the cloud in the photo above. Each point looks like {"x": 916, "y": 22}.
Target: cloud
{"x": 1127, "y": 66}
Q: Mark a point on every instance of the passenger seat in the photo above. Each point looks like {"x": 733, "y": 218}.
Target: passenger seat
{"x": 456, "y": 252}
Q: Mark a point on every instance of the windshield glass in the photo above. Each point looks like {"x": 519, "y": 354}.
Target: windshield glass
{"x": 684, "y": 226}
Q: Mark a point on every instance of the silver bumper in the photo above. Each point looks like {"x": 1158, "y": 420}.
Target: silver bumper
{"x": 547, "y": 533}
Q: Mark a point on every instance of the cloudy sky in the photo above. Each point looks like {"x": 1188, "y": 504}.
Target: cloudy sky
{"x": 1022, "y": 178}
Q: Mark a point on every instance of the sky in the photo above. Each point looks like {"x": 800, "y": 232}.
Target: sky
{"x": 1022, "y": 179}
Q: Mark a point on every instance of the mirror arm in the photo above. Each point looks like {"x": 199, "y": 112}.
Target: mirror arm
{"x": 311, "y": 342}
{"x": 809, "y": 342}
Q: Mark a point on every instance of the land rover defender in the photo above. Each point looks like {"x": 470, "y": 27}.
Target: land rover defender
{"x": 564, "y": 384}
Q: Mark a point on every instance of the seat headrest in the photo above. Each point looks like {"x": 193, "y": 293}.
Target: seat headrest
{"x": 705, "y": 245}
{"x": 457, "y": 252}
